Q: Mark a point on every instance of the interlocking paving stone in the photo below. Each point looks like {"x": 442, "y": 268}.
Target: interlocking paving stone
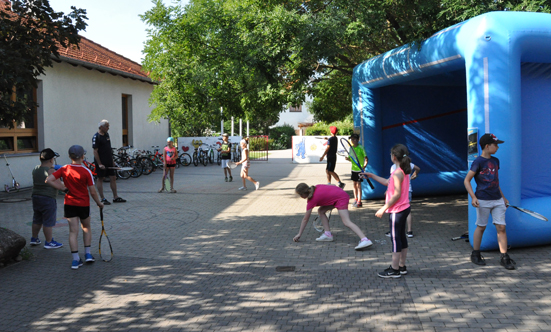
{"x": 205, "y": 258}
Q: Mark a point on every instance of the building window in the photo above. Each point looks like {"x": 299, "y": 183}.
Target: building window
{"x": 295, "y": 108}
{"x": 23, "y": 137}
{"x": 125, "y": 120}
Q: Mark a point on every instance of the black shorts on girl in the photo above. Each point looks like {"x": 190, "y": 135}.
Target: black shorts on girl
{"x": 72, "y": 211}
{"x": 170, "y": 165}
{"x": 398, "y": 237}
{"x": 356, "y": 176}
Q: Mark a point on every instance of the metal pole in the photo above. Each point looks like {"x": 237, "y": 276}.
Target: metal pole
{"x": 221, "y": 121}
{"x": 240, "y": 127}
{"x": 247, "y": 128}
{"x": 232, "y": 125}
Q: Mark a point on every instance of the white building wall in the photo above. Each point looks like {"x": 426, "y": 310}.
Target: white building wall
{"x": 73, "y": 100}
{"x": 294, "y": 118}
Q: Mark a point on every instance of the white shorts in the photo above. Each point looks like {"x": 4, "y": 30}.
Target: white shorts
{"x": 496, "y": 207}
{"x": 224, "y": 162}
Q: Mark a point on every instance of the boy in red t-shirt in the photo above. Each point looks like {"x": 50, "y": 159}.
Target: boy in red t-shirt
{"x": 78, "y": 180}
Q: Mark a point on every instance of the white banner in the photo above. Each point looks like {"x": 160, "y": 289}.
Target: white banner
{"x": 309, "y": 149}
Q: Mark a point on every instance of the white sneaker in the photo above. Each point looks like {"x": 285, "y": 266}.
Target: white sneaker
{"x": 242, "y": 188}
{"x": 325, "y": 238}
{"x": 257, "y": 185}
{"x": 364, "y": 244}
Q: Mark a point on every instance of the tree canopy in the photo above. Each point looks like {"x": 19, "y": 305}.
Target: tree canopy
{"x": 254, "y": 57}
{"x": 30, "y": 33}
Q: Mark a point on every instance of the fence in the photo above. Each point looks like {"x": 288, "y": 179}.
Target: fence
{"x": 258, "y": 148}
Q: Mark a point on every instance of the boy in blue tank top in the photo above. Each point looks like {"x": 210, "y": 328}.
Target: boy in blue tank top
{"x": 488, "y": 199}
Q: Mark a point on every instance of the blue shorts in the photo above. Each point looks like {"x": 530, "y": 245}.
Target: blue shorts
{"x": 45, "y": 210}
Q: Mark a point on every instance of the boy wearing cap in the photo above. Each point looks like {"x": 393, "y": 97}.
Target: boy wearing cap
{"x": 225, "y": 156}
{"x": 331, "y": 152}
{"x": 488, "y": 199}
{"x": 79, "y": 181}
{"x": 44, "y": 200}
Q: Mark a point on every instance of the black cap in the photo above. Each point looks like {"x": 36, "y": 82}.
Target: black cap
{"x": 356, "y": 136}
{"x": 76, "y": 151}
{"x": 48, "y": 154}
{"x": 488, "y": 139}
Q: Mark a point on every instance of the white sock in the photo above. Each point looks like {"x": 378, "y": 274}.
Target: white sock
{"x": 76, "y": 257}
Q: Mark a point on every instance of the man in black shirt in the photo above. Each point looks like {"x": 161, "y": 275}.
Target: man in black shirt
{"x": 331, "y": 152}
{"x": 103, "y": 158}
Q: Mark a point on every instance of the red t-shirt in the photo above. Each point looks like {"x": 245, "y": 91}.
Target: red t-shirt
{"x": 77, "y": 179}
{"x": 326, "y": 195}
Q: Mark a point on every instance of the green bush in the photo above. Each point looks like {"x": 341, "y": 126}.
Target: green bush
{"x": 345, "y": 127}
{"x": 257, "y": 143}
{"x": 282, "y": 137}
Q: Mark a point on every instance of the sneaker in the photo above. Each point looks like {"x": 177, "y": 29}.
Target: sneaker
{"x": 390, "y": 273}
{"x": 409, "y": 234}
{"x": 35, "y": 241}
{"x": 341, "y": 185}
{"x": 105, "y": 202}
{"x": 477, "y": 258}
{"x": 52, "y": 244}
{"x": 387, "y": 234}
{"x": 226, "y": 179}
{"x": 359, "y": 205}
{"x": 364, "y": 244}
{"x": 325, "y": 238}
{"x": 173, "y": 191}
{"x": 507, "y": 262}
{"x": 159, "y": 191}
{"x": 231, "y": 179}
{"x": 257, "y": 185}
{"x": 89, "y": 258}
{"x": 242, "y": 188}
{"x": 355, "y": 204}
{"x": 403, "y": 270}
{"x": 76, "y": 264}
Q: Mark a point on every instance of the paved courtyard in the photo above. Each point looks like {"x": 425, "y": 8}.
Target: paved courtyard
{"x": 205, "y": 258}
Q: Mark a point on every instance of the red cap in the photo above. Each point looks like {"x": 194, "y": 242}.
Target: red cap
{"x": 333, "y": 130}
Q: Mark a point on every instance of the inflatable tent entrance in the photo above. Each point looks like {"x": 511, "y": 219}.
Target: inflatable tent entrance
{"x": 491, "y": 73}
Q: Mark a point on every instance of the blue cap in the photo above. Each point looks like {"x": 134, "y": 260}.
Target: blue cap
{"x": 170, "y": 139}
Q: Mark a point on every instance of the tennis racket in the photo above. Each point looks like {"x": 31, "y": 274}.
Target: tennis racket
{"x": 529, "y": 212}
{"x": 462, "y": 236}
{"x": 167, "y": 181}
{"x": 353, "y": 157}
{"x": 318, "y": 226}
{"x": 101, "y": 237}
{"x": 232, "y": 165}
{"x": 122, "y": 169}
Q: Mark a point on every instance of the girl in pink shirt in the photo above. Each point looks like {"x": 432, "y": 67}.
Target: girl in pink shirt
{"x": 328, "y": 197}
{"x": 397, "y": 205}
{"x": 170, "y": 155}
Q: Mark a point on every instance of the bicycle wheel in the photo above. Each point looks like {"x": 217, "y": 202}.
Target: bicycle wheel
{"x": 125, "y": 175}
{"x": 147, "y": 165}
{"x": 211, "y": 157}
{"x": 137, "y": 171}
{"x": 205, "y": 160}
{"x": 185, "y": 159}
{"x": 195, "y": 159}
{"x": 159, "y": 162}
{"x": 218, "y": 160}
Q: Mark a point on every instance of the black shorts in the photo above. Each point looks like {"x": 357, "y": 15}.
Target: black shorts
{"x": 105, "y": 172}
{"x": 356, "y": 176}
{"x": 170, "y": 165}
{"x": 331, "y": 164}
{"x": 71, "y": 211}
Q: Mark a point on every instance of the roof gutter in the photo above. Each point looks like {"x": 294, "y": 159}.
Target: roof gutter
{"x": 112, "y": 71}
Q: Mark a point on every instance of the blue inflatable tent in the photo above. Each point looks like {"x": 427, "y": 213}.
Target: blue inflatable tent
{"x": 491, "y": 73}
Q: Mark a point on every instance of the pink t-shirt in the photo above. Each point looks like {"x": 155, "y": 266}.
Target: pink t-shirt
{"x": 403, "y": 201}
{"x": 170, "y": 155}
{"x": 326, "y": 195}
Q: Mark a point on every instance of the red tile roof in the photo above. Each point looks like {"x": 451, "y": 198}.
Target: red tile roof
{"x": 96, "y": 54}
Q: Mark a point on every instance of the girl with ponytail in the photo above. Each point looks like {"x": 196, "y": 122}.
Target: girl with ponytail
{"x": 397, "y": 205}
{"x": 328, "y": 197}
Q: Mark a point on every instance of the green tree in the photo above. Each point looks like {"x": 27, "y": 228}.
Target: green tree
{"x": 253, "y": 57}
{"x": 30, "y": 33}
